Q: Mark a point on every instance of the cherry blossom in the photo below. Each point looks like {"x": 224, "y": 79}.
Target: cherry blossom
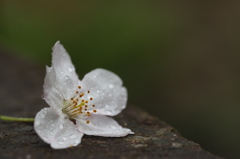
{"x": 79, "y": 107}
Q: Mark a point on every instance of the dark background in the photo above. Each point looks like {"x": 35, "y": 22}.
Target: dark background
{"x": 178, "y": 59}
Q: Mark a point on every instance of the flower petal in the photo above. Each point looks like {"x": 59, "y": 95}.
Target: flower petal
{"x": 56, "y": 130}
{"x": 66, "y": 77}
{"x": 100, "y": 125}
{"x": 109, "y": 95}
{"x": 51, "y": 94}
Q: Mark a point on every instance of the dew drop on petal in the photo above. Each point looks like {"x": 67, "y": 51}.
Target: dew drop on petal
{"x": 72, "y": 136}
{"x": 108, "y": 112}
{"x": 61, "y": 126}
{"x": 76, "y": 142}
{"x": 110, "y": 86}
{"x": 60, "y": 142}
{"x": 113, "y": 127}
{"x": 37, "y": 123}
{"x": 70, "y": 69}
{"x": 43, "y": 115}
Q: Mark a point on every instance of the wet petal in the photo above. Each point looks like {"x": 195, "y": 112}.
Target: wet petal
{"x": 66, "y": 77}
{"x": 56, "y": 130}
{"x": 106, "y": 88}
{"x": 100, "y": 125}
{"x": 51, "y": 94}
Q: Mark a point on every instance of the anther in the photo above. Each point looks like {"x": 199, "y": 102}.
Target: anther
{"x": 93, "y": 105}
{"x": 83, "y": 100}
{"x": 86, "y": 106}
{"x": 79, "y": 87}
{"x": 88, "y": 91}
{"x": 71, "y": 98}
{"x": 87, "y": 121}
{"x": 86, "y": 101}
{"x": 91, "y": 98}
{"x": 81, "y": 95}
{"x": 94, "y": 111}
{"x": 77, "y": 92}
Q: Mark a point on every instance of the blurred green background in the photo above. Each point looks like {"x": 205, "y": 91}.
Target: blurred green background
{"x": 178, "y": 59}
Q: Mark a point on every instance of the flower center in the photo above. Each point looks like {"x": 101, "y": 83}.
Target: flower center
{"x": 79, "y": 105}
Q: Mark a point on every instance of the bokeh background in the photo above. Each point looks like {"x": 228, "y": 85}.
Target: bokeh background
{"x": 178, "y": 59}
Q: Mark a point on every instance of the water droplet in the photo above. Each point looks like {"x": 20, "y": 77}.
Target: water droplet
{"x": 76, "y": 142}
{"x": 110, "y": 86}
{"x": 64, "y": 138}
{"x": 72, "y": 136}
{"x": 70, "y": 69}
{"x": 109, "y": 112}
{"x": 60, "y": 142}
{"x": 61, "y": 126}
{"x": 43, "y": 115}
{"x": 113, "y": 127}
{"x": 37, "y": 123}
{"x": 109, "y": 94}
{"x": 66, "y": 77}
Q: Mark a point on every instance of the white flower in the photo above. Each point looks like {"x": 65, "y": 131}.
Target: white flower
{"x": 79, "y": 107}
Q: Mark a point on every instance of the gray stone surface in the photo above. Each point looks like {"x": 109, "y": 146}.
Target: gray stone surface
{"x": 20, "y": 95}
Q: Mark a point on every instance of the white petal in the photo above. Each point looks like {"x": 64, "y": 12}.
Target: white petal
{"x": 101, "y": 126}
{"x": 51, "y": 94}
{"x": 56, "y": 130}
{"x": 109, "y": 96}
{"x": 66, "y": 77}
